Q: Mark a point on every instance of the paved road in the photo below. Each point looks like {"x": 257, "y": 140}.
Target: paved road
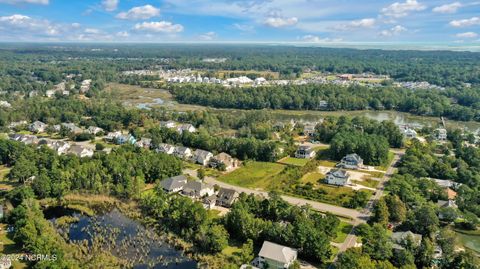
{"x": 337, "y": 210}
{"x": 351, "y": 239}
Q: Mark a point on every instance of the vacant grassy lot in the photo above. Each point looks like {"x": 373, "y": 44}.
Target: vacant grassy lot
{"x": 253, "y": 175}
{"x": 8, "y": 246}
{"x": 368, "y": 182}
{"x": 342, "y": 231}
{"x": 313, "y": 177}
{"x": 293, "y": 161}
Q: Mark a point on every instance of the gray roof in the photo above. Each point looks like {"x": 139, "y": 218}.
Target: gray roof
{"x": 227, "y": 195}
{"x": 354, "y": 157}
{"x": 401, "y": 237}
{"x": 277, "y": 252}
{"x": 195, "y": 186}
{"x": 174, "y": 182}
{"x": 338, "y": 173}
{"x": 200, "y": 153}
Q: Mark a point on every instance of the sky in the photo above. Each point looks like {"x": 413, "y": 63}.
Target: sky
{"x": 297, "y": 21}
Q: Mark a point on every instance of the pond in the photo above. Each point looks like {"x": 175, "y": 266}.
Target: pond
{"x": 470, "y": 241}
{"x": 128, "y": 240}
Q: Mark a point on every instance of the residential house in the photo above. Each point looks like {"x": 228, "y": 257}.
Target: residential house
{"x": 166, "y": 148}
{"x": 182, "y": 152}
{"x": 73, "y": 128}
{"x": 275, "y": 256}
{"x": 445, "y": 183}
{"x": 174, "y": 184}
{"x": 186, "y": 128}
{"x": 94, "y": 130}
{"x": 209, "y": 201}
{"x": 409, "y": 133}
{"x": 441, "y": 134}
{"x": 5, "y": 104}
{"x": 351, "y": 161}
{"x": 226, "y": 197}
{"x": 125, "y": 139}
{"x": 144, "y": 143}
{"x": 50, "y": 93}
{"x": 80, "y": 151}
{"x": 337, "y": 177}
{"x": 112, "y": 136}
{"x": 61, "y": 147}
{"x": 309, "y": 129}
{"x": 25, "y": 139}
{"x": 223, "y": 159}
{"x": 402, "y": 239}
{"x": 85, "y": 86}
{"x": 202, "y": 156}
{"x": 168, "y": 124}
{"x": 305, "y": 152}
{"x": 37, "y": 127}
{"x": 197, "y": 189}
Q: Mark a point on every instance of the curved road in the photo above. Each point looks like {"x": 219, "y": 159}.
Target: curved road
{"x": 354, "y": 215}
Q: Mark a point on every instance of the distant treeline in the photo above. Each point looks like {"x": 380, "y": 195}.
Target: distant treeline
{"x": 456, "y": 104}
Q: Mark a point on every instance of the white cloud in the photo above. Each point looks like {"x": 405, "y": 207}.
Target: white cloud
{"x": 12, "y": 2}
{"x": 448, "y": 8}
{"x": 76, "y": 25}
{"x": 123, "y": 34}
{"x": 208, "y": 36}
{"x": 467, "y": 35}
{"x": 92, "y": 31}
{"x": 110, "y": 5}
{"x": 357, "y": 24}
{"x": 396, "y": 30}
{"x": 139, "y": 13}
{"x": 402, "y": 9}
{"x": 159, "y": 27}
{"x": 244, "y": 27}
{"x": 466, "y": 22}
{"x": 317, "y": 39}
{"x": 19, "y": 24}
{"x": 278, "y": 22}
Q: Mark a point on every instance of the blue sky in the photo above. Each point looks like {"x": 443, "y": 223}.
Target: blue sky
{"x": 309, "y": 21}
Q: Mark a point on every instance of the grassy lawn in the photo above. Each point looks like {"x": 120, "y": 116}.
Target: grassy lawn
{"x": 387, "y": 163}
{"x": 313, "y": 177}
{"x": 8, "y": 246}
{"x": 343, "y": 230}
{"x": 327, "y": 163}
{"x": 326, "y": 193}
{"x": 293, "y": 161}
{"x": 253, "y": 175}
{"x": 367, "y": 182}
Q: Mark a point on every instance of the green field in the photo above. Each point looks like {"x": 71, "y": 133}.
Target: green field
{"x": 253, "y": 175}
{"x": 293, "y": 161}
{"x": 343, "y": 230}
{"x": 313, "y": 177}
{"x": 367, "y": 182}
{"x": 469, "y": 239}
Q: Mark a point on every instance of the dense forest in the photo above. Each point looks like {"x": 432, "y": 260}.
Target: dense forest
{"x": 457, "y": 104}
{"x": 443, "y": 68}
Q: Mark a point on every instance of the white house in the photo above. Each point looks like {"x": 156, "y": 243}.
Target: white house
{"x": 305, "y": 152}
{"x": 80, "y": 151}
{"x": 197, "y": 189}
{"x": 186, "y": 128}
{"x": 112, "y": 136}
{"x": 174, "y": 184}
{"x": 94, "y": 130}
{"x": 309, "y": 129}
{"x": 166, "y": 148}
{"x": 351, "y": 161}
{"x": 202, "y": 156}
{"x": 337, "y": 177}
{"x": 183, "y": 152}
{"x": 37, "y": 127}
{"x": 275, "y": 256}
{"x": 409, "y": 133}
{"x": 168, "y": 124}
{"x": 441, "y": 134}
